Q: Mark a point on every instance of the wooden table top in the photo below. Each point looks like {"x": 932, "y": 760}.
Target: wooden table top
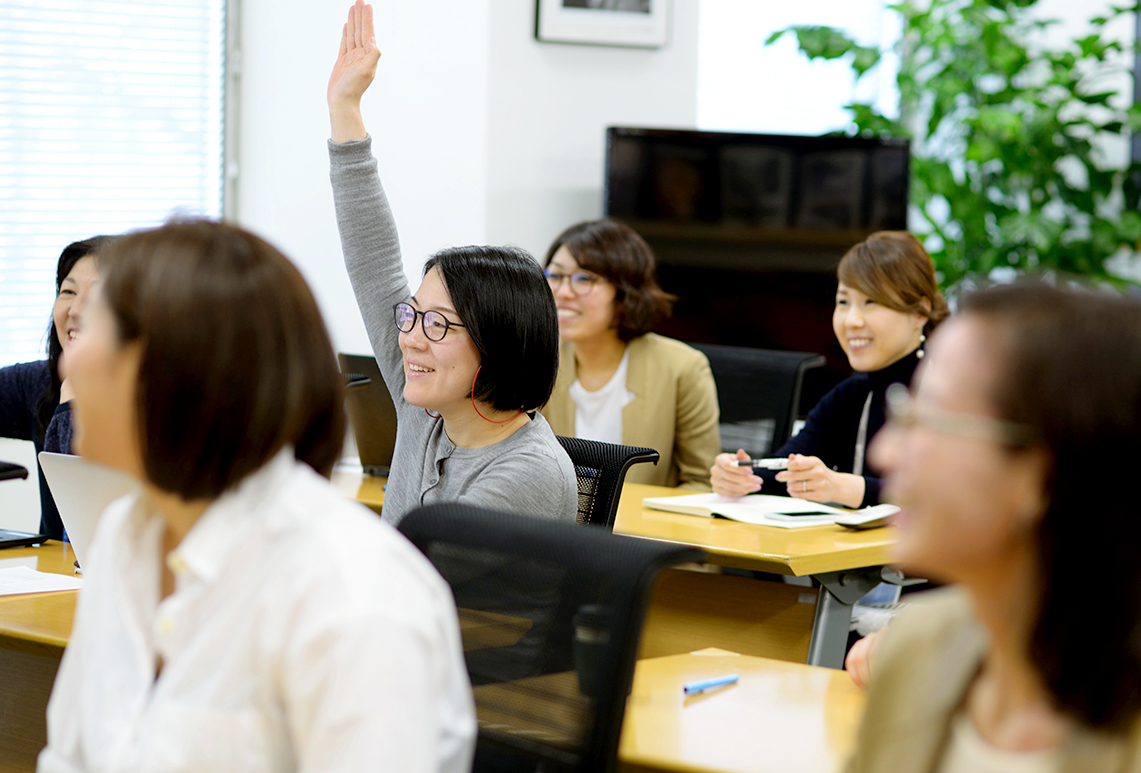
{"x": 779, "y": 718}
{"x": 44, "y": 618}
{"x": 782, "y": 551}
{"x": 364, "y": 488}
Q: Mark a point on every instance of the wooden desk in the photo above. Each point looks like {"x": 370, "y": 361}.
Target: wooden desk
{"x": 799, "y": 552}
{"x": 691, "y": 610}
{"x": 33, "y": 632}
{"x": 799, "y": 718}
{"x": 364, "y": 488}
{"x": 779, "y": 718}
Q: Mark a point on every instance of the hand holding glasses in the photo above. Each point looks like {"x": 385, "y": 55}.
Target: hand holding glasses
{"x": 434, "y": 324}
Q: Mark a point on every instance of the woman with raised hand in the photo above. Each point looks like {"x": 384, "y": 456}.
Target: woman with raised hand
{"x": 887, "y": 300}
{"x": 1010, "y": 461}
{"x": 238, "y": 613}
{"x": 618, "y": 382}
{"x": 34, "y": 396}
{"x": 468, "y": 358}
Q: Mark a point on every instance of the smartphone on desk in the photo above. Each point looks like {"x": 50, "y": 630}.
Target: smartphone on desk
{"x": 20, "y": 539}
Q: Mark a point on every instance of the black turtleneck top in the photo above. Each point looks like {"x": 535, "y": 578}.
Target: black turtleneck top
{"x": 831, "y": 428}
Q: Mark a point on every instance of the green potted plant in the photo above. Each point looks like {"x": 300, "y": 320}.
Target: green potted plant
{"x": 1007, "y": 168}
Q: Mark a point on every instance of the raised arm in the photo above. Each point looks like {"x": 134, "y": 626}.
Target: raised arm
{"x": 369, "y": 239}
{"x": 352, "y": 74}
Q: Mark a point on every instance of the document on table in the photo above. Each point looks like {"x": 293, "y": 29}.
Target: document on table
{"x": 761, "y": 509}
{"x": 22, "y": 579}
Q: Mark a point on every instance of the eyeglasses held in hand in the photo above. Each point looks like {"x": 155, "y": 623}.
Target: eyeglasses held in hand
{"x": 905, "y": 413}
{"x": 581, "y": 282}
{"x": 434, "y": 324}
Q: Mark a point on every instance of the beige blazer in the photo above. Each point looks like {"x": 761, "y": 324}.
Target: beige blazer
{"x": 922, "y": 671}
{"x": 674, "y": 410}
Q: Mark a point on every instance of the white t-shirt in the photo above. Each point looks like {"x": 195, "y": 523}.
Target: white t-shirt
{"x": 598, "y": 415}
{"x": 303, "y": 634}
{"x": 968, "y": 752}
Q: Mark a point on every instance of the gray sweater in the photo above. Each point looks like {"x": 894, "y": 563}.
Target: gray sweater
{"x": 527, "y": 472}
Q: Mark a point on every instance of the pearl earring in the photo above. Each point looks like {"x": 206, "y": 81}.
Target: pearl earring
{"x": 919, "y": 353}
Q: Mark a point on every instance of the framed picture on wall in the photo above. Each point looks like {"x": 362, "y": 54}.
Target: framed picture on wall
{"x": 634, "y": 23}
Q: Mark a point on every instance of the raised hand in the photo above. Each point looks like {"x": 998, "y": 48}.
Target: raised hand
{"x": 352, "y": 74}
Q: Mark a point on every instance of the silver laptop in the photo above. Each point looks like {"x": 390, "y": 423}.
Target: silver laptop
{"x": 82, "y": 489}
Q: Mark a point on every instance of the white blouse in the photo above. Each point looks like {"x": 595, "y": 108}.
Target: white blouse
{"x": 303, "y": 635}
{"x": 968, "y": 752}
{"x": 598, "y": 415}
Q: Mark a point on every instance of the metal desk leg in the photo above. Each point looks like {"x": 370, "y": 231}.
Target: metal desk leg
{"x": 838, "y": 592}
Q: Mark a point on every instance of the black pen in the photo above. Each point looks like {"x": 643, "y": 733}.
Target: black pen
{"x": 774, "y": 463}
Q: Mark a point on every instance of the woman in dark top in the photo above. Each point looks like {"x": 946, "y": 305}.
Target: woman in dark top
{"x": 33, "y": 398}
{"x": 886, "y": 302}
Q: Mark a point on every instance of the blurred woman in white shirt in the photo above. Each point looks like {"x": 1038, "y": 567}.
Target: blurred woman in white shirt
{"x": 238, "y": 613}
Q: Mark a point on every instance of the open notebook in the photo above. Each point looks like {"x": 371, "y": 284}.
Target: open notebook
{"x": 766, "y": 510}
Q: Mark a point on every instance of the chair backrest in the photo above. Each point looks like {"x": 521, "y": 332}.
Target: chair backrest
{"x": 759, "y": 394}
{"x": 601, "y": 468}
{"x": 550, "y": 615}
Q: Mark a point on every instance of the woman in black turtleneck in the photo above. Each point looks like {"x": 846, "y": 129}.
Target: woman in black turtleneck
{"x": 886, "y": 301}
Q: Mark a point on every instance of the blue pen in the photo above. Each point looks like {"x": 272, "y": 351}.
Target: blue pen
{"x": 693, "y": 688}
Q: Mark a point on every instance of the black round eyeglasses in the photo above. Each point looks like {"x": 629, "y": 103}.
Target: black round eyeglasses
{"x": 434, "y": 324}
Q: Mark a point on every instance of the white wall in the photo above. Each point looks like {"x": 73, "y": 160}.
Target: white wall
{"x": 744, "y": 85}
{"x": 484, "y": 135}
{"x": 548, "y": 108}
{"x": 20, "y": 499}
{"x": 425, "y": 112}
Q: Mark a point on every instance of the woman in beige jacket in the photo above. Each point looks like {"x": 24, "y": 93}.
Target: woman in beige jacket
{"x": 1013, "y": 463}
{"x": 617, "y": 381}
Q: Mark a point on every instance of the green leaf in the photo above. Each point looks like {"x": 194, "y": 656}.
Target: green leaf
{"x": 1005, "y": 163}
{"x": 773, "y": 38}
{"x": 1096, "y": 99}
{"x": 823, "y": 42}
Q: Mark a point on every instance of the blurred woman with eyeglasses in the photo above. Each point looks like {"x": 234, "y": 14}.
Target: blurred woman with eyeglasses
{"x": 1012, "y": 463}
{"x": 618, "y": 382}
{"x": 469, "y": 358}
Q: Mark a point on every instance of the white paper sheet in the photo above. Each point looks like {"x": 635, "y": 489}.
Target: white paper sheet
{"x": 22, "y": 579}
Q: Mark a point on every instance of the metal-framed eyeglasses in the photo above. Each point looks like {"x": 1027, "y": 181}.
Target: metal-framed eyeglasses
{"x": 581, "y": 283}
{"x": 434, "y": 324}
{"x": 903, "y": 412}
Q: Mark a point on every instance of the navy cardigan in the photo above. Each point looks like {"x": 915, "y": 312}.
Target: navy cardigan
{"x": 831, "y": 428}
{"x": 20, "y": 389}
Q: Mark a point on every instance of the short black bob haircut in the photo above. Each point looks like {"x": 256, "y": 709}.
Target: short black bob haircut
{"x": 1070, "y": 368}
{"x": 507, "y": 308}
{"x": 236, "y": 362}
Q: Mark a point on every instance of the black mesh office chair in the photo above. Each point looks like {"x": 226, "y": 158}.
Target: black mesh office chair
{"x": 759, "y": 394}
{"x": 601, "y": 468}
{"x": 550, "y": 615}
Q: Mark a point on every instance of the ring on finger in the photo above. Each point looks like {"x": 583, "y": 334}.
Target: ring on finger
{"x": 805, "y": 483}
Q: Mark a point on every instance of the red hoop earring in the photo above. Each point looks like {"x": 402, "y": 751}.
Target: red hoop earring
{"x": 473, "y": 405}
{"x": 431, "y": 415}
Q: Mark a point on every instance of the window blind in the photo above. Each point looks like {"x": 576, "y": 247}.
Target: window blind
{"x": 111, "y": 119}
